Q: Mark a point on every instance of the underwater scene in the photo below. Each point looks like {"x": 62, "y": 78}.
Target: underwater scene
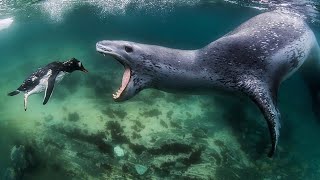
{"x": 85, "y": 132}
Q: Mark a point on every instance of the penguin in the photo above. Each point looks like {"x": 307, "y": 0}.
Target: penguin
{"x": 44, "y": 79}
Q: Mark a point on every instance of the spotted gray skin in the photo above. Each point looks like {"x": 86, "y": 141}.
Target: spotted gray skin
{"x": 253, "y": 59}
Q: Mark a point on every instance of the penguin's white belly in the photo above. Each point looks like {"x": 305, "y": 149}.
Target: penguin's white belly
{"x": 42, "y": 84}
{"x": 39, "y": 88}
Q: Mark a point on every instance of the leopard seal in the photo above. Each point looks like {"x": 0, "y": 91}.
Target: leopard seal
{"x": 253, "y": 59}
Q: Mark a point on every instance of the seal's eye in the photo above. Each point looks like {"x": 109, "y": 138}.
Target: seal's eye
{"x": 128, "y": 49}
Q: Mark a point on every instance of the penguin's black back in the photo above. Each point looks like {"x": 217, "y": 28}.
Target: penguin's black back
{"x": 34, "y": 79}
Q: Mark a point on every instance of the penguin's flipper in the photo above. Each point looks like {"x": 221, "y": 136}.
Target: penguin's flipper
{"x": 49, "y": 89}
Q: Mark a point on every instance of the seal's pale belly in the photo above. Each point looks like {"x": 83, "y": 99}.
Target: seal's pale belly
{"x": 295, "y": 54}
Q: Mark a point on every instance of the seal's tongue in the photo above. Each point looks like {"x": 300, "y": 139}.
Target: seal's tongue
{"x": 125, "y": 81}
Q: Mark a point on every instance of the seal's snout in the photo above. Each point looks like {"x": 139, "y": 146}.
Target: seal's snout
{"x": 104, "y": 47}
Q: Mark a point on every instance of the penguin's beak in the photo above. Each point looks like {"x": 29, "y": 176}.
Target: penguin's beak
{"x": 83, "y": 69}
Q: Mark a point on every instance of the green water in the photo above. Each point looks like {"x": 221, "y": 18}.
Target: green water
{"x": 175, "y": 136}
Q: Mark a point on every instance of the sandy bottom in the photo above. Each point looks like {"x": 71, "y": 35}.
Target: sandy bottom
{"x": 171, "y": 135}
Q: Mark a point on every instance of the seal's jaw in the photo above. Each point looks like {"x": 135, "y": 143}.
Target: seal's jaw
{"x": 123, "y": 91}
{"x": 124, "y": 84}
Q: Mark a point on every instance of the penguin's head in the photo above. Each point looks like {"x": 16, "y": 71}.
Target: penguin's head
{"x": 131, "y": 55}
{"x": 73, "y": 65}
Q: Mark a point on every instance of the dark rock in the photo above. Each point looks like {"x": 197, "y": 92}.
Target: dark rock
{"x": 195, "y": 157}
{"x": 219, "y": 143}
{"x": 151, "y": 113}
{"x": 108, "y": 112}
{"x": 73, "y": 117}
{"x": 22, "y": 159}
{"x": 164, "y": 124}
{"x": 138, "y": 126}
{"x": 113, "y": 113}
{"x": 117, "y": 132}
{"x": 169, "y": 114}
{"x": 199, "y": 133}
{"x": 175, "y": 124}
{"x": 11, "y": 174}
{"x": 137, "y": 148}
{"x": 135, "y": 135}
{"x": 121, "y": 114}
{"x": 18, "y": 158}
{"x": 106, "y": 166}
{"x": 173, "y": 148}
{"x": 96, "y": 139}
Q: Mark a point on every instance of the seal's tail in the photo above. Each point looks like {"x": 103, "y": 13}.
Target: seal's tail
{"x": 13, "y": 93}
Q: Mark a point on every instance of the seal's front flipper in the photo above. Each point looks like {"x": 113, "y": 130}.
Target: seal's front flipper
{"x": 49, "y": 89}
{"x": 264, "y": 97}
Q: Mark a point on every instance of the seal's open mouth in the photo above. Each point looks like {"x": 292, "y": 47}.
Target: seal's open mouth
{"x": 104, "y": 50}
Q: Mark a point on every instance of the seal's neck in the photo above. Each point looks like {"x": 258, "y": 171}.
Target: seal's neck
{"x": 171, "y": 68}
{"x": 183, "y": 59}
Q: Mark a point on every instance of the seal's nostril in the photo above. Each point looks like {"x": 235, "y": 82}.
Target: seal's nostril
{"x": 103, "y": 48}
{"x": 106, "y": 49}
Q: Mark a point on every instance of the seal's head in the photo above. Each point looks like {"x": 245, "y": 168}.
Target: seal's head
{"x": 130, "y": 55}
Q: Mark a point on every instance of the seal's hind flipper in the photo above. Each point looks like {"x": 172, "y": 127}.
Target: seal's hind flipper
{"x": 49, "y": 89}
{"x": 262, "y": 95}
